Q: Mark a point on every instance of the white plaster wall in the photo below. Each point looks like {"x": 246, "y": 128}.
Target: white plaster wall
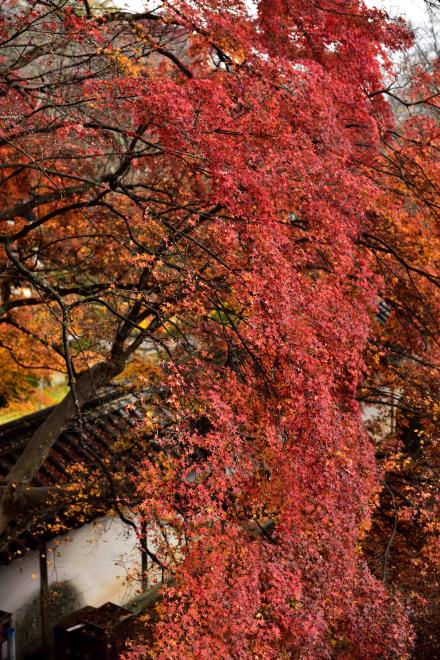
{"x": 18, "y": 582}
{"x": 99, "y": 559}
{"x": 379, "y": 420}
{"x": 96, "y": 563}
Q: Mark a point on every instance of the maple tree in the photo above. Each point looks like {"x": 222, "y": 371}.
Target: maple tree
{"x": 404, "y": 360}
{"x": 187, "y": 194}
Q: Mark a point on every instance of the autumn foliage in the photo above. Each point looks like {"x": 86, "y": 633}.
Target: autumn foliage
{"x": 196, "y": 196}
{"x": 403, "y": 360}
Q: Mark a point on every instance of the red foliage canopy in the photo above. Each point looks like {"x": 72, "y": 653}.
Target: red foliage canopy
{"x": 241, "y": 191}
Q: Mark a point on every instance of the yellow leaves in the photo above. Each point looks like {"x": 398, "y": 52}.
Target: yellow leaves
{"x": 150, "y": 422}
{"x": 123, "y": 63}
{"x": 394, "y": 463}
{"x": 141, "y": 371}
{"x": 146, "y": 322}
{"x": 295, "y": 604}
{"x": 377, "y": 357}
{"x": 364, "y": 527}
{"x": 167, "y": 466}
{"x": 160, "y": 609}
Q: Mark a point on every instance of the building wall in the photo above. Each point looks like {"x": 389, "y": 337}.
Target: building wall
{"x": 379, "y": 421}
{"x": 96, "y": 563}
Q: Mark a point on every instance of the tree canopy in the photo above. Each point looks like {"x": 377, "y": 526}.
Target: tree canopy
{"x": 212, "y": 199}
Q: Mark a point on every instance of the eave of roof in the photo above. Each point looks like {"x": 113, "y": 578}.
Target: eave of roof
{"x": 106, "y": 419}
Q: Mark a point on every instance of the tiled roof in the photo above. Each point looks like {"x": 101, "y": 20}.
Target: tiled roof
{"x": 107, "y": 419}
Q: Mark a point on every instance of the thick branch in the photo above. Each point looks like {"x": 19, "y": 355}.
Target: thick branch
{"x": 38, "y": 448}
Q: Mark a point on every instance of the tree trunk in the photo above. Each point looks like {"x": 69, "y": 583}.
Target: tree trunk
{"x": 39, "y": 446}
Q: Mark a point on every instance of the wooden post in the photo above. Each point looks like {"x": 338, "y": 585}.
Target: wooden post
{"x": 46, "y": 629}
{"x": 144, "y": 556}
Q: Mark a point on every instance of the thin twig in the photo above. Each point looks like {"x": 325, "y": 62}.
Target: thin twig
{"x": 393, "y": 534}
